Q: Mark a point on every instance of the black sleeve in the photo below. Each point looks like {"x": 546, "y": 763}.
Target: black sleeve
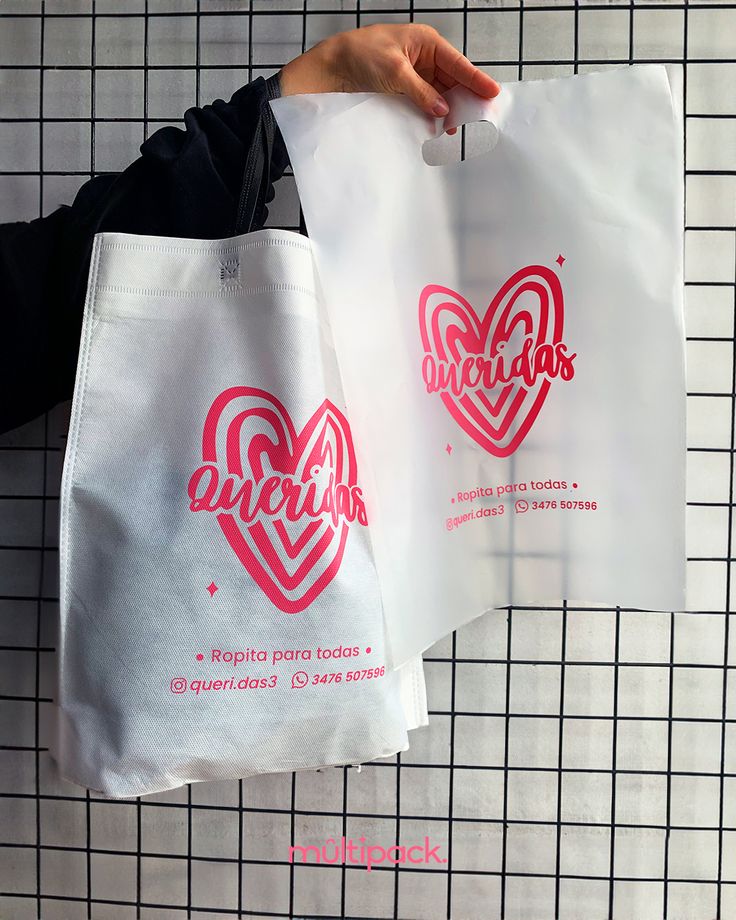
{"x": 187, "y": 183}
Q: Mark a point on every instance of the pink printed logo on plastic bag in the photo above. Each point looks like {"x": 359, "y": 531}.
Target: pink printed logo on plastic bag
{"x": 493, "y": 373}
{"x": 284, "y": 499}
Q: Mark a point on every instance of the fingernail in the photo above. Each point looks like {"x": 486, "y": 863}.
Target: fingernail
{"x": 440, "y": 107}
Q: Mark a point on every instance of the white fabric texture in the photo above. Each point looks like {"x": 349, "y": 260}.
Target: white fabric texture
{"x": 211, "y": 510}
{"x": 510, "y": 334}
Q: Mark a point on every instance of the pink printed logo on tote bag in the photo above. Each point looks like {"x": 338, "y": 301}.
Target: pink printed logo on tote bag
{"x": 493, "y": 372}
{"x": 284, "y": 499}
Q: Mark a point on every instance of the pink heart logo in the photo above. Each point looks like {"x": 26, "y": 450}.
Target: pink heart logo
{"x": 493, "y": 373}
{"x": 287, "y": 498}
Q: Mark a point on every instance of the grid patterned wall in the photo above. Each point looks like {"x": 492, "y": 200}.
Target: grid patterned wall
{"x": 579, "y": 763}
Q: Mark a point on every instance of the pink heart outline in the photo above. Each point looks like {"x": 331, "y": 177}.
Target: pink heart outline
{"x": 475, "y": 412}
{"x": 325, "y": 437}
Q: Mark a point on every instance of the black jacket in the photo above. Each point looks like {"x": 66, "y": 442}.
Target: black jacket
{"x": 186, "y": 183}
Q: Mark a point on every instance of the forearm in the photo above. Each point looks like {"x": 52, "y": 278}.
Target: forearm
{"x": 186, "y": 183}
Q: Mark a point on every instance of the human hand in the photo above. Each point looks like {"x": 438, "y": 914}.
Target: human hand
{"x": 413, "y": 59}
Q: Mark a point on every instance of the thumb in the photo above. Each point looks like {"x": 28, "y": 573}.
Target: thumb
{"x": 419, "y": 91}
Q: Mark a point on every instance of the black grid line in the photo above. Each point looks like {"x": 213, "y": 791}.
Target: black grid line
{"x": 727, "y": 621}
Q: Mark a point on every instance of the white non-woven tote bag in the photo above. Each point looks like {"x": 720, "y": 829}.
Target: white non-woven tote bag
{"x": 220, "y": 610}
{"x": 509, "y": 330}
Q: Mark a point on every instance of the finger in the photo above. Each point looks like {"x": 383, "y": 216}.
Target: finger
{"x": 442, "y": 88}
{"x": 422, "y": 93}
{"x": 445, "y": 78}
{"x": 439, "y": 84}
{"x": 457, "y": 67}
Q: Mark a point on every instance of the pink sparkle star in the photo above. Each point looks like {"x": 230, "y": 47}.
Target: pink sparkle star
{"x": 212, "y": 587}
{"x": 559, "y": 260}
{"x": 449, "y": 450}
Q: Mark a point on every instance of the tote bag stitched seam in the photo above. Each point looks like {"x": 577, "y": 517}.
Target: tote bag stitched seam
{"x": 180, "y": 250}
{"x": 76, "y": 420}
{"x": 74, "y": 430}
{"x": 238, "y": 292}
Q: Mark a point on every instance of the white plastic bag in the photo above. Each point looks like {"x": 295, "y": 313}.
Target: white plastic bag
{"x": 220, "y": 613}
{"x": 509, "y": 330}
